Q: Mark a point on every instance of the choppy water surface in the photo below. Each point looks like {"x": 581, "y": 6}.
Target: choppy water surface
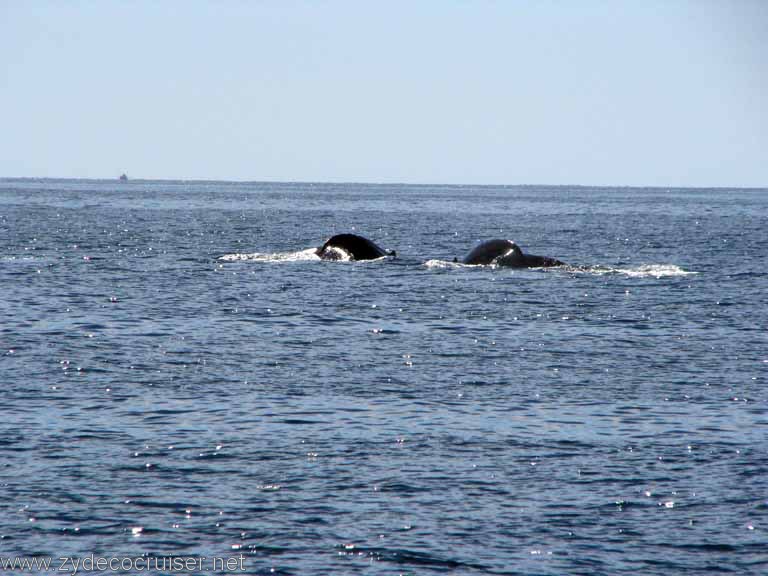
{"x": 181, "y": 376}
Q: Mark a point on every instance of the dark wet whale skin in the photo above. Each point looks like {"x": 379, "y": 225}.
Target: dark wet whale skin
{"x": 354, "y": 246}
{"x": 507, "y": 253}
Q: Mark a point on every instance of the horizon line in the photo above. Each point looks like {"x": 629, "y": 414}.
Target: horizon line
{"x": 371, "y": 183}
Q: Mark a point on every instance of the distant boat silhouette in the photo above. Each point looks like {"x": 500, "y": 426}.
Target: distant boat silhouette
{"x": 123, "y": 177}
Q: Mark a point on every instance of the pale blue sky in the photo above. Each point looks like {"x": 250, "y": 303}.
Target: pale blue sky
{"x": 658, "y": 93}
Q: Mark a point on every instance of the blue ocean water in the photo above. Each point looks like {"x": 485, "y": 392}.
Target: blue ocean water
{"x": 181, "y": 377}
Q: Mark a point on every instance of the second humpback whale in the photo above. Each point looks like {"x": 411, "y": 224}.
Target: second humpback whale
{"x": 351, "y": 247}
{"x": 507, "y": 253}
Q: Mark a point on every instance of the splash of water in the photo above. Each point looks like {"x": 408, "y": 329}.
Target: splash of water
{"x": 299, "y": 256}
{"x": 655, "y": 270}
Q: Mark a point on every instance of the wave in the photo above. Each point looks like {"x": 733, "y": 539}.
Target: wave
{"x": 645, "y": 270}
{"x": 436, "y": 263}
{"x": 308, "y": 255}
{"x": 642, "y": 271}
{"x": 24, "y": 259}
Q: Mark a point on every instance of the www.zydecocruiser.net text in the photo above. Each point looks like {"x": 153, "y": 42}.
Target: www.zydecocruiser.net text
{"x": 73, "y": 565}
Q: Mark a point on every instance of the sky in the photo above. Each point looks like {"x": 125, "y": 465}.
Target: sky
{"x": 602, "y": 93}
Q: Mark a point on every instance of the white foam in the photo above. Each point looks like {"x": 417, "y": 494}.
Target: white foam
{"x": 443, "y": 264}
{"x": 301, "y": 255}
{"x": 653, "y": 270}
{"x": 646, "y": 270}
{"x": 335, "y": 253}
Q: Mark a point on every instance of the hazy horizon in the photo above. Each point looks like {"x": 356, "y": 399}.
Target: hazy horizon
{"x": 654, "y": 94}
{"x": 373, "y": 183}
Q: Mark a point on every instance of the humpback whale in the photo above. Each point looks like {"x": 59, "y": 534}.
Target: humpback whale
{"x": 507, "y": 253}
{"x": 351, "y": 247}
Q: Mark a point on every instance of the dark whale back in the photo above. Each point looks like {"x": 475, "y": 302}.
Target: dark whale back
{"x": 353, "y": 246}
{"x": 533, "y": 261}
{"x": 507, "y": 253}
{"x": 502, "y": 252}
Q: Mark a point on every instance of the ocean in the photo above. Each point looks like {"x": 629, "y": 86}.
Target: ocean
{"x": 182, "y": 378}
